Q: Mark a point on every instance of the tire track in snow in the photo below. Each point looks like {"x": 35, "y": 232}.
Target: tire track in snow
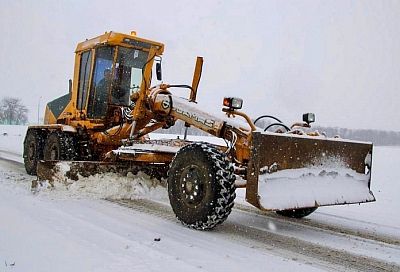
{"x": 254, "y": 237}
{"x": 270, "y": 215}
{"x": 16, "y": 164}
{"x": 304, "y": 251}
{"x": 19, "y": 167}
{"x": 318, "y": 225}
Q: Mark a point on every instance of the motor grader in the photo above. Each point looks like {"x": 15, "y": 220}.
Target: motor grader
{"x": 111, "y": 107}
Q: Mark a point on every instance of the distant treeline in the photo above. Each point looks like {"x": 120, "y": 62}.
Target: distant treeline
{"x": 13, "y": 112}
{"x": 378, "y": 137}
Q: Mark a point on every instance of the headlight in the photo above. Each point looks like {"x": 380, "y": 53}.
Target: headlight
{"x": 309, "y": 117}
{"x": 233, "y": 102}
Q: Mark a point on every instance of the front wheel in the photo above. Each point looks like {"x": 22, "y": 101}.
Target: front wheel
{"x": 297, "y": 213}
{"x": 201, "y": 186}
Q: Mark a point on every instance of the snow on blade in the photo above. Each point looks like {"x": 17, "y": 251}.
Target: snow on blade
{"x": 313, "y": 186}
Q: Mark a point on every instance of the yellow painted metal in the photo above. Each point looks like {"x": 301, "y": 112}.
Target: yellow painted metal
{"x": 112, "y": 136}
{"x": 49, "y": 117}
{"x": 71, "y": 108}
{"x": 196, "y": 78}
{"x": 84, "y": 110}
{"x": 242, "y": 114}
{"x": 70, "y": 114}
{"x": 114, "y": 38}
{"x": 156, "y": 107}
{"x": 140, "y": 111}
{"x": 102, "y": 131}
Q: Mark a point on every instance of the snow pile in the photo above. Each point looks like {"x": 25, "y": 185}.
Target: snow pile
{"x": 307, "y": 187}
{"x": 104, "y": 186}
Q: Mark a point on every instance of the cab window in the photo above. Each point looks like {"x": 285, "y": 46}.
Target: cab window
{"x": 84, "y": 75}
{"x": 128, "y": 74}
{"x": 101, "y": 83}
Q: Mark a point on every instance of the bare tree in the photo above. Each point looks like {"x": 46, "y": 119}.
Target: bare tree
{"x": 13, "y": 112}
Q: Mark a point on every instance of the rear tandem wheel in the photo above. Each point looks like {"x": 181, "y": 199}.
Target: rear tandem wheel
{"x": 33, "y": 150}
{"x": 59, "y": 146}
{"x": 201, "y": 186}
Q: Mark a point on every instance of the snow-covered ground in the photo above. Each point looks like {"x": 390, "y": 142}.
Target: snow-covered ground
{"x": 381, "y": 216}
{"x": 11, "y": 142}
{"x": 72, "y": 227}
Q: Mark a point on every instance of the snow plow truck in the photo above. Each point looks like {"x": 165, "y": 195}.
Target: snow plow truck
{"x": 103, "y": 123}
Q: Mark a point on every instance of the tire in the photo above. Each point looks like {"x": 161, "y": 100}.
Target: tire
{"x": 33, "y": 150}
{"x": 297, "y": 213}
{"x": 59, "y": 146}
{"x": 201, "y": 186}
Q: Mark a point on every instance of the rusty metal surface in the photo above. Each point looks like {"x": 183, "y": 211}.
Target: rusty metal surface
{"x": 253, "y": 170}
{"x": 297, "y": 152}
{"x": 292, "y": 152}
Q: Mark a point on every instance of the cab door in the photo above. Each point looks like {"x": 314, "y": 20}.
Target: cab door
{"x": 85, "y": 68}
{"x": 101, "y": 83}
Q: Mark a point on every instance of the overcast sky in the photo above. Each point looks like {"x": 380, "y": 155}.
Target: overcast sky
{"x": 338, "y": 59}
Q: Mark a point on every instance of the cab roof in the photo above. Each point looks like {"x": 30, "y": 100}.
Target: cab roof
{"x": 115, "y": 38}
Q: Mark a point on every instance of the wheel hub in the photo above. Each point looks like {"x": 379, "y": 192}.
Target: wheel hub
{"x": 192, "y": 185}
{"x": 54, "y": 153}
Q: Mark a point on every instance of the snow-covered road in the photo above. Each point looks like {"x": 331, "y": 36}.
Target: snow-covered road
{"x": 45, "y": 233}
{"x": 73, "y": 228}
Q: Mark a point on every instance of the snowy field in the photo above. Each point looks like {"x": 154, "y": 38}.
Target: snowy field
{"x": 72, "y": 227}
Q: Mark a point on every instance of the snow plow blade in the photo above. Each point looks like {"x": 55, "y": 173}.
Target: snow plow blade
{"x": 62, "y": 170}
{"x": 292, "y": 172}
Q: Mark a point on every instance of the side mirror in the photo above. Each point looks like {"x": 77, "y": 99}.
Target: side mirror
{"x": 158, "y": 71}
{"x": 70, "y": 86}
{"x": 309, "y": 118}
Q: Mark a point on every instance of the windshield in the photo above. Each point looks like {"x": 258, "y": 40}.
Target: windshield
{"x": 127, "y": 74}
